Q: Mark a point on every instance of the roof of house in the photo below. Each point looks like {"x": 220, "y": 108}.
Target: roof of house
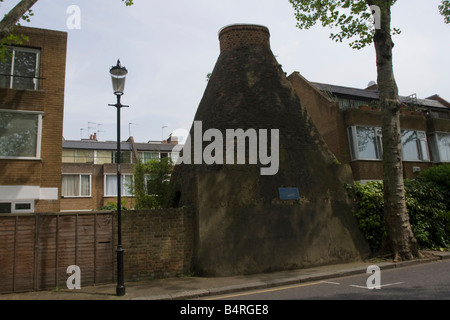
{"x": 371, "y": 94}
{"x": 112, "y": 145}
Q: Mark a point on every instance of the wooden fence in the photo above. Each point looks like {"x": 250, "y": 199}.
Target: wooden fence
{"x": 36, "y": 250}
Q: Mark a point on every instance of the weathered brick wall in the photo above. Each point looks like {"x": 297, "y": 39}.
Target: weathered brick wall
{"x": 325, "y": 115}
{"x": 35, "y": 250}
{"x": 157, "y": 243}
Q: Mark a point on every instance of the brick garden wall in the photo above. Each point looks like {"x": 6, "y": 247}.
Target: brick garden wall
{"x": 157, "y": 243}
{"x": 36, "y": 249}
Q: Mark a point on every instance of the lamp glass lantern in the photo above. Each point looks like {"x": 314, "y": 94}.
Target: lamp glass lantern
{"x": 118, "y": 76}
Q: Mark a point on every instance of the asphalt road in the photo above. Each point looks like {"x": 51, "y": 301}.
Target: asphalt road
{"x": 427, "y": 281}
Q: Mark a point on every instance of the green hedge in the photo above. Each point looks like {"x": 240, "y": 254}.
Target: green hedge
{"x": 428, "y": 203}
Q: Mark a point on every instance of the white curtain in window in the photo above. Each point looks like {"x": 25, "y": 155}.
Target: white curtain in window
{"x": 85, "y": 186}
{"x": 70, "y": 185}
{"x": 76, "y": 185}
{"x": 111, "y": 185}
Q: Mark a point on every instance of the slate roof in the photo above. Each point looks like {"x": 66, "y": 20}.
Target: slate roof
{"x": 370, "y": 94}
{"x": 112, "y": 145}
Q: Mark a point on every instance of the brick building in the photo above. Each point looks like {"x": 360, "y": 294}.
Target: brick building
{"x": 89, "y": 170}
{"x": 32, "y": 80}
{"x": 350, "y": 123}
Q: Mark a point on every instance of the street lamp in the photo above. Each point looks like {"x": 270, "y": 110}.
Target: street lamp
{"x": 118, "y": 75}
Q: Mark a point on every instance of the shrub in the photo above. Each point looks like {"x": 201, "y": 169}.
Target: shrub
{"x": 428, "y": 204}
{"x": 112, "y": 206}
{"x": 151, "y": 183}
{"x": 439, "y": 176}
{"x": 428, "y": 214}
{"x": 369, "y": 213}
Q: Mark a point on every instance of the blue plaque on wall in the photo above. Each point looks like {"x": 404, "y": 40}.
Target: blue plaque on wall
{"x": 289, "y": 193}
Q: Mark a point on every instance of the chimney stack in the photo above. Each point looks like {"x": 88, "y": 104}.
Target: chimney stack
{"x": 239, "y": 35}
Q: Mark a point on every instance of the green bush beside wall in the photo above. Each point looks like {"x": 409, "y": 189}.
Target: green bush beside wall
{"x": 428, "y": 203}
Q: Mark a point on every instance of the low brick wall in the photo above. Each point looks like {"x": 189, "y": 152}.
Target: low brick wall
{"x": 157, "y": 243}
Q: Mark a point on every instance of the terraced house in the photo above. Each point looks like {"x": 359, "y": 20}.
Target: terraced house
{"x": 32, "y": 80}
{"x": 89, "y": 170}
{"x": 350, "y": 123}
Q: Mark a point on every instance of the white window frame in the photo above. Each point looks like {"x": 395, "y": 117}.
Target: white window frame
{"x": 123, "y": 194}
{"x": 141, "y": 155}
{"x": 38, "y": 64}
{"x": 436, "y": 151}
{"x": 421, "y": 144}
{"x": 38, "y": 135}
{"x": 352, "y": 135}
{"x": 15, "y": 203}
{"x": 79, "y": 185}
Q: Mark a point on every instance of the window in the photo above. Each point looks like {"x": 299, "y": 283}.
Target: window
{"x": 85, "y": 156}
{"x": 5, "y": 207}
{"x": 125, "y": 157}
{"x": 23, "y": 207}
{"x": 147, "y": 156}
{"x": 20, "y": 70}
{"x": 345, "y": 104}
{"x": 440, "y": 145}
{"x": 111, "y": 185}
{"x": 69, "y": 156}
{"x": 20, "y": 134}
{"x": 17, "y": 207}
{"x": 414, "y": 146}
{"x": 365, "y": 143}
{"x": 103, "y": 156}
{"x": 76, "y": 185}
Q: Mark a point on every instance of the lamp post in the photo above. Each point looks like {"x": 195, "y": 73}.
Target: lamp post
{"x": 118, "y": 75}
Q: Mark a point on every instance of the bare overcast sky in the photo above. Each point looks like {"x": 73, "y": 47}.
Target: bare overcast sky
{"x": 170, "y": 46}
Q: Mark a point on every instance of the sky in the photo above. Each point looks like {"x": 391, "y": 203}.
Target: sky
{"x": 170, "y": 46}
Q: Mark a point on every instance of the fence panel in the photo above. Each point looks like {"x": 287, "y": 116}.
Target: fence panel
{"x": 36, "y": 250}
{"x": 7, "y": 253}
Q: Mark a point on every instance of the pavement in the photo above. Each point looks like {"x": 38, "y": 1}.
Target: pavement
{"x": 185, "y": 288}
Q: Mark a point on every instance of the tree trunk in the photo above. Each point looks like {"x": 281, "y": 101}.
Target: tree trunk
{"x": 400, "y": 238}
{"x": 10, "y": 20}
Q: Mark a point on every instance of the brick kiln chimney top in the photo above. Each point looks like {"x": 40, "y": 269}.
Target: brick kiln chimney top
{"x": 241, "y": 35}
